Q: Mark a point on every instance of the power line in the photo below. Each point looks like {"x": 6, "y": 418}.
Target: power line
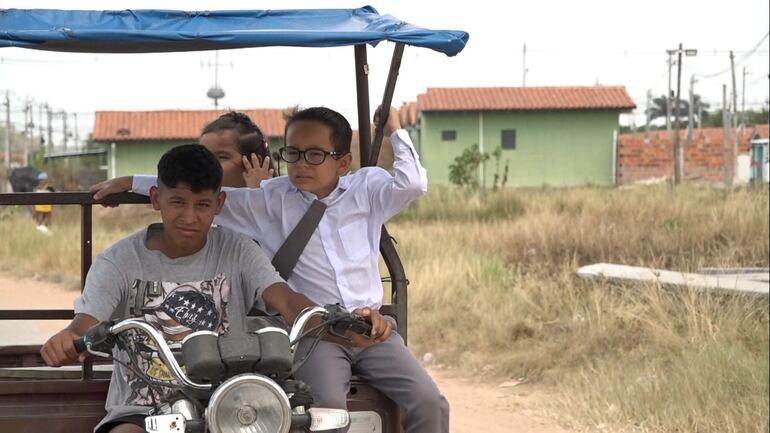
{"x": 739, "y": 62}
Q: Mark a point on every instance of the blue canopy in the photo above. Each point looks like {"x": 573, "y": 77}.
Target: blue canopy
{"x": 142, "y": 31}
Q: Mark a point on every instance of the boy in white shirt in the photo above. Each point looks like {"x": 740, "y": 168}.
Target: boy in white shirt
{"x": 340, "y": 261}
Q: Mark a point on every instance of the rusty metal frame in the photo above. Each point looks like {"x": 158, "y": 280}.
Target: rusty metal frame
{"x": 368, "y": 154}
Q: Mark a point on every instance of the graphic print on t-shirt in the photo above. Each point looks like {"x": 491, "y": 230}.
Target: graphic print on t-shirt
{"x": 178, "y": 310}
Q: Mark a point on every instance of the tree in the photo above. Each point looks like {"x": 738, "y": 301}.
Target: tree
{"x": 464, "y": 171}
{"x": 660, "y": 105}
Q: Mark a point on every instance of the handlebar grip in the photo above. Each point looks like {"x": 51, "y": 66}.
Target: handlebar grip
{"x": 361, "y": 326}
{"x": 80, "y": 344}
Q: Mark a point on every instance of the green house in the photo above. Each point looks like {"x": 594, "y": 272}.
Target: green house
{"x": 557, "y": 136}
{"x": 135, "y": 140}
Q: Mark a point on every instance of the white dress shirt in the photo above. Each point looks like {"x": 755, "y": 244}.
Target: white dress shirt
{"x": 340, "y": 262}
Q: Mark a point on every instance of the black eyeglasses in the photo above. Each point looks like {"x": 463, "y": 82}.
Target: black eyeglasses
{"x": 312, "y": 156}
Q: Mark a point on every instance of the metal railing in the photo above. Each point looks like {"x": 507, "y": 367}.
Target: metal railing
{"x": 85, "y": 200}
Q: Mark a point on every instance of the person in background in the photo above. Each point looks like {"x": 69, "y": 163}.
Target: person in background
{"x": 43, "y": 213}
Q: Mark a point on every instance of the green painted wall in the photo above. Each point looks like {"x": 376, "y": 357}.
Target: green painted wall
{"x": 557, "y": 148}
{"x": 137, "y": 157}
{"x": 141, "y": 157}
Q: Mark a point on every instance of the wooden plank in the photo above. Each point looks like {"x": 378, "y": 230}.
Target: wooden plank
{"x": 634, "y": 274}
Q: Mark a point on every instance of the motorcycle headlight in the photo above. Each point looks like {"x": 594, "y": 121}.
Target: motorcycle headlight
{"x": 249, "y": 403}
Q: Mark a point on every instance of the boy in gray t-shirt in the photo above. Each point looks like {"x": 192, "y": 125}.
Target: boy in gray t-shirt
{"x": 208, "y": 279}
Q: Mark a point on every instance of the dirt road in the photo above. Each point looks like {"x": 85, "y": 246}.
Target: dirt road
{"x": 475, "y": 406}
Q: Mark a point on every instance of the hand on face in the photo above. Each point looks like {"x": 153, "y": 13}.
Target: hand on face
{"x": 255, "y": 171}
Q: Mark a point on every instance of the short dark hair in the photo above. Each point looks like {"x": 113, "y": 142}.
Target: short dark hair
{"x": 342, "y": 134}
{"x": 251, "y": 139}
{"x": 191, "y": 164}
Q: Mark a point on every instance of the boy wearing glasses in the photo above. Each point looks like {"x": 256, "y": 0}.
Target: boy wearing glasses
{"x": 340, "y": 261}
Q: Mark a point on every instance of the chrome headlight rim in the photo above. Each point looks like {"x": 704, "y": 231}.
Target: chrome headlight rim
{"x": 239, "y": 380}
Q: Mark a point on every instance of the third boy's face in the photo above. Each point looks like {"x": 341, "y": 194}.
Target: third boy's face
{"x": 224, "y": 146}
{"x": 317, "y": 179}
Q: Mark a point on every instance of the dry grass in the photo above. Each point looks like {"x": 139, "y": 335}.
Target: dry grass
{"x": 500, "y": 297}
{"x": 26, "y": 252}
{"x": 493, "y": 291}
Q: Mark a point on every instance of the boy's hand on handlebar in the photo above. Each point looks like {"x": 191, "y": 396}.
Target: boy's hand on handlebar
{"x": 255, "y": 171}
{"x": 380, "y": 326}
{"x": 60, "y": 349}
{"x": 111, "y": 186}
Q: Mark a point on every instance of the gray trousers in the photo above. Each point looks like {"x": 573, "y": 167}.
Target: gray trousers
{"x": 389, "y": 367}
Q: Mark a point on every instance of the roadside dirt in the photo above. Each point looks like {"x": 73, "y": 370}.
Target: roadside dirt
{"x": 475, "y": 406}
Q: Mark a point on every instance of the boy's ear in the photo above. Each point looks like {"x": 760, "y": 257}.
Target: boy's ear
{"x": 155, "y": 197}
{"x": 221, "y": 197}
{"x": 343, "y": 164}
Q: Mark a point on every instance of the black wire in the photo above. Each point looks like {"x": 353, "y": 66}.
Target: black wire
{"x": 313, "y": 329}
{"x": 304, "y": 359}
{"x": 152, "y": 384}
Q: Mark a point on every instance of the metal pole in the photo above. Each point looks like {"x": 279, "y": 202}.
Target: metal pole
{"x": 77, "y": 134}
{"x": 691, "y": 111}
{"x": 64, "y": 127}
{"x": 387, "y": 100}
{"x": 49, "y": 114}
{"x": 7, "y": 132}
{"x": 725, "y": 137}
{"x": 647, "y": 117}
{"x": 743, "y": 100}
{"x": 677, "y": 150}
{"x": 86, "y": 255}
{"x": 362, "y": 96}
{"x": 733, "y": 120}
{"x": 668, "y": 96}
{"x": 29, "y": 129}
{"x": 40, "y": 124}
{"x": 524, "y": 67}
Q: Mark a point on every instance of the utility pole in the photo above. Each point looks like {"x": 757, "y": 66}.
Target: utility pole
{"x": 77, "y": 134}
{"x": 691, "y": 110}
{"x": 7, "y": 133}
{"x": 668, "y": 95}
{"x": 26, "y": 131}
{"x": 743, "y": 100}
{"x": 29, "y": 128}
{"x": 647, "y": 118}
{"x": 40, "y": 121}
{"x": 725, "y": 137}
{"x": 677, "y": 148}
{"x": 733, "y": 119}
{"x": 678, "y": 157}
{"x": 524, "y": 67}
{"x": 64, "y": 128}
{"x": 49, "y": 115}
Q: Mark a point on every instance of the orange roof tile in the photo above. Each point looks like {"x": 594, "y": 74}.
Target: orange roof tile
{"x": 407, "y": 114}
{"x": 525, "y": 98}
{"x": 174, "y": 124}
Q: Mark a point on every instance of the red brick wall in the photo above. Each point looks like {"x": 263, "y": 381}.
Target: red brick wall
{"x": 703, "y": 160}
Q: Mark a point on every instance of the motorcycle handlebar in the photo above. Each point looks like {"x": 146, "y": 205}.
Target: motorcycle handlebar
{"x": 340, "y": 320}
{"x": 103, "y": 336}
{"x": 80, "y": 344}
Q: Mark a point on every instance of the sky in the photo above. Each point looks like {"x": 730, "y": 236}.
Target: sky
{"x": 569, "y": 43}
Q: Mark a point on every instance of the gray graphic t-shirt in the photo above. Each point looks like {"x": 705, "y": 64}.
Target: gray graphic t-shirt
{"x": 212, "y": 289}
